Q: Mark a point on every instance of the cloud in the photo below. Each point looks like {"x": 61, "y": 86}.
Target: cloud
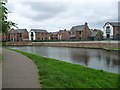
{"x": 40, "y": 10}
{"x": 53, "y": 14}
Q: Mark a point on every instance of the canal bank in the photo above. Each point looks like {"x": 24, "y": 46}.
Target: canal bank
{"x": 94, "y": 58}
{"x": 59, "y": 74}
{"x": 107, "y": 45}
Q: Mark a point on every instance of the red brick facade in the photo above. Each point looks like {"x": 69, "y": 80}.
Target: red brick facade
{"x": 63, "y": 35}
{"x": 18, "y": 35}
{"x": 80, "y": 32}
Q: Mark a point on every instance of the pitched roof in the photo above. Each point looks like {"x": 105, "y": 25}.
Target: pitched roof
{"x": 19, "y": 31}
{"x": 53, "y": 33}
{"x": 113, "y": 23}
{"x": 95, "y": 32}
{"x": 78, "y": 28}
{"x": 38, "y": 30}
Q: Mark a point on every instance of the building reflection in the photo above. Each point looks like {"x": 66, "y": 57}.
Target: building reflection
{"x": 80, "y": 56}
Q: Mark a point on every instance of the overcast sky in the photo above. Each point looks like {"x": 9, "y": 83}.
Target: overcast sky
{"x": 59, "y": 14}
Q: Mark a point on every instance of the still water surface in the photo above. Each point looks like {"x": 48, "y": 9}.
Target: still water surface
{"x": 94, "y": 58}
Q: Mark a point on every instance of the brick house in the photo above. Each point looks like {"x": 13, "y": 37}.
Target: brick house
{"x": 63, "y": 35}
{"x": 96, "y": 34}
{"x": 80, "y": 32}
{"x": 3, "y": 37}
{"x": 18, "y": 35}
{"x": 111, "y": 30}
{"x": 53, "y": 35}
{"x": 38, "y": 34}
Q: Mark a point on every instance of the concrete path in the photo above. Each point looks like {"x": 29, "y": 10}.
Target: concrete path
{"x": 18, "y": 71}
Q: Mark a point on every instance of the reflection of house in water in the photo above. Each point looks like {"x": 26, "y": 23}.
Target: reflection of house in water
{"x": 80, "y": 57}
{"x": 116, "y": 62}
{"x": 108, "y": 61}
{"x": 112, "y": 59}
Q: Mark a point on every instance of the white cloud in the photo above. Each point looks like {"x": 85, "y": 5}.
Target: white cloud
{"x": 65, "y": 14}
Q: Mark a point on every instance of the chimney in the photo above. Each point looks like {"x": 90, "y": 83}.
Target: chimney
{"x": 64, "y": 29}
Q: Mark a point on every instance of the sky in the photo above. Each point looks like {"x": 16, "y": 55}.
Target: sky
{"x": 55, "y": 15}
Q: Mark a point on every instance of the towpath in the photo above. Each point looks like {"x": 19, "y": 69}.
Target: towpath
{"x": 18, "y": 71}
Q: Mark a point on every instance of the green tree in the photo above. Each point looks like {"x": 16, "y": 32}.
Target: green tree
{"x": 4, "y": 23}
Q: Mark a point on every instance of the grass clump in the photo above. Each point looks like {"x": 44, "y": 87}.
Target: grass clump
{"x": 59, "y": 74}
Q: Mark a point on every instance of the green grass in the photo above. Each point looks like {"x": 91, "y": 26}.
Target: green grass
{"x": 112, "y": 49}
{"x": 59, "y": 74}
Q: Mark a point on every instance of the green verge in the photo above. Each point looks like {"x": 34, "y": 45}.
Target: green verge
{"x": 59, "y": 74}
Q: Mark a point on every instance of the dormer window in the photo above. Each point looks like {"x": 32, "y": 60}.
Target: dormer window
{"x": 108, "y": 29}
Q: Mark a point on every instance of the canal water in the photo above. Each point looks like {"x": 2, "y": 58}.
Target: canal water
{"x": 94, "y": 58}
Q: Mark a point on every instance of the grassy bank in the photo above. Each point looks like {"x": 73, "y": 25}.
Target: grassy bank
{"x": 112, "y": 49}
{"x": 60, "y": 74}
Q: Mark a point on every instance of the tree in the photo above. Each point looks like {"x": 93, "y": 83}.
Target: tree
{"x": 4, "y": 23}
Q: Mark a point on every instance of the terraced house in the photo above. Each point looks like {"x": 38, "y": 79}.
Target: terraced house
{"x": 38, "y": 34}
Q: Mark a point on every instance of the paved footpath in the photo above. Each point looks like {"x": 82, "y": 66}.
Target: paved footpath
{"x": 18, "y": 71}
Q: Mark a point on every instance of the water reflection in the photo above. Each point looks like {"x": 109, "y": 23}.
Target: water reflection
{"x": 98, "y": 59}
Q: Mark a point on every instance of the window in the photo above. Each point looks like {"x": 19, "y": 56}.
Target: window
{"x": 118, "y": 37}
{"x": 20, "y": 35}
{"x": 31, "y": 34}
{"x": 108, "y": 29}
{"x": 72, "y": 33}
{"x": 79, "y": 32}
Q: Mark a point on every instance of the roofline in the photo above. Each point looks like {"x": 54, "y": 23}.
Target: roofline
{"x": 78, "y": 25}
{"x": 20, "y": 29}
{"x": 38, "y": 29}
{"x": 110, "y": 23}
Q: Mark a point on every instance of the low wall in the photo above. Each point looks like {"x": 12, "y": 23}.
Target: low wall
{"x": 88, "y": 44}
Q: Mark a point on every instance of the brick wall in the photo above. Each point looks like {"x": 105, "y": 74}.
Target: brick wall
{"x": 88, "y": 44}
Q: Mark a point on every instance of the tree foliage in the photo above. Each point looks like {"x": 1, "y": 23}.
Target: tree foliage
{"x": 4, "y": 23}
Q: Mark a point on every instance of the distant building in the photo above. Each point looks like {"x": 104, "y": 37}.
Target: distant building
{"x": 96, "y": 35}
{"x": 53, "y": 35}
{"x": 64, "y": 35}
{"x": 3, "y": 37}
{"x": 80, "y": 32}
{"x": 111, "y": 30}
{"x": 38, "y": 34}
{"x": 17, "y": 35}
